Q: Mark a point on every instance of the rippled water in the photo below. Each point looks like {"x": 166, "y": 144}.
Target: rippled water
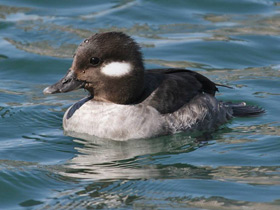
{"x": 233, "y": 42}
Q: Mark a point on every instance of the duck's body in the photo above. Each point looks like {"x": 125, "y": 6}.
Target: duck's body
{"x": 123, "y": 122}
{"x": 127, "y": 102}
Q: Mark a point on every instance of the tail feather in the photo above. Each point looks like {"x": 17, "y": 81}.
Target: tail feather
{"x": 244, "y": 110}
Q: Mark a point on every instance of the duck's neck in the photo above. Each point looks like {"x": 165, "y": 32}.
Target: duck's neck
{"x": 126, "y": 90}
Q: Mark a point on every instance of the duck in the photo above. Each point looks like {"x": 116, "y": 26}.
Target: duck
{"x": 127, "y": 101}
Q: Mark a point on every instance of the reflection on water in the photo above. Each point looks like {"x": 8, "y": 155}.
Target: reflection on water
{"x": 116, "y": 8}
{"x": 110, "y": 160}
{"x": 7, "y": 10}
{"x": 225, "y": 28}
{"x": 101, "y": 159}
{"x": 130, "y": 173}
{"x": 177, "y": 64}
{"x": 44, "y": 48}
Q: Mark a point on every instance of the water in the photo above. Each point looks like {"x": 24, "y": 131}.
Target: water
{"x": 232, "y": 42}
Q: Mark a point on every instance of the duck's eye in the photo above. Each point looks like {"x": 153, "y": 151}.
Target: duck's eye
{"x": 94, "y": 61}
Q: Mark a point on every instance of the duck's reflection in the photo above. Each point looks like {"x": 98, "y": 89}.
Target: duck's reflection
{"x": 122, "y": 172}
{"x": 135, "y": 159}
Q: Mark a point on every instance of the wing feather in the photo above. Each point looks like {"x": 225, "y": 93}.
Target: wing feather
{"x": 167, "y": 90}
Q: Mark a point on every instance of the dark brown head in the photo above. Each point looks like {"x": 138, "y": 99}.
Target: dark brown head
{"x": 109, "y": 65}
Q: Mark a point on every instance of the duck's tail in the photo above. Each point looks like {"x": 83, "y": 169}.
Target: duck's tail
{"x": 244, "y": 110}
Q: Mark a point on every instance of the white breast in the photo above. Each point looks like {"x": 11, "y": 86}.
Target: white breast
{"x": 114, "y": 121}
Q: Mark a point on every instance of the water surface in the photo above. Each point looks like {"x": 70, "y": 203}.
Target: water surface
{"x": 232, "y": 42}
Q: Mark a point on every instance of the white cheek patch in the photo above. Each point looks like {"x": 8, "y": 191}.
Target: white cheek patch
{"x": 116, "y": 69}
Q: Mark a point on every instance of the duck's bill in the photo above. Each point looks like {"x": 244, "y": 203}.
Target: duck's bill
{"x": 66, "y": 84}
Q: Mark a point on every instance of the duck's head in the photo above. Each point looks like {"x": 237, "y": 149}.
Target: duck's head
{"x": 108, "y": 65}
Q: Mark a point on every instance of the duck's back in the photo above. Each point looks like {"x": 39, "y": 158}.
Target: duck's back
{"x": 167, "y": 90}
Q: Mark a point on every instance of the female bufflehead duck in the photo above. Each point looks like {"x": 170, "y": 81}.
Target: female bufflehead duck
{"x": 127, "y": 102}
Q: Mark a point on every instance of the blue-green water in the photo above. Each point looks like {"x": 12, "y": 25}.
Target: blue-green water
{"x": 233, "y": 42}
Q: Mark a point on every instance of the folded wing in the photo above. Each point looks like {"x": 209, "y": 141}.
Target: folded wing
{"x": 167, "y": 90}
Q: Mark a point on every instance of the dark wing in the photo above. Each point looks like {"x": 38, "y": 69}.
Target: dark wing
{"x": 167, "y": 90}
